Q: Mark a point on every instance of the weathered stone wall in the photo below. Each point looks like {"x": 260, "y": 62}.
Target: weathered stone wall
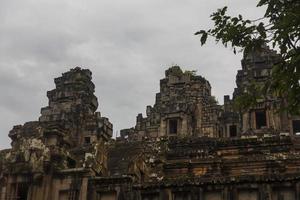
{"x": 264, "y": 117}
{"x": 70, "y": 134}
{"x": 183, "y": 107}
{"x": 265, "y": 168}
{"x": 68, "y": 153}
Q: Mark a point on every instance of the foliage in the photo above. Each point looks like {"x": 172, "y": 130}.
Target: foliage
{"x": 279, "y": 27}
{"x": 213, "y": 100}
{"x": 254, "y": 94}
{"x": 190, "y": 72}
{"x": 175, "y": 71}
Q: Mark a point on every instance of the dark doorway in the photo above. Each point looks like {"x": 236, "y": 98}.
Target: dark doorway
{"x": 107, "y": 195}
{"x": 182, "y": 196}
{"x": 71, "y": 163}
{"x": 261, "y": 119}
{"x": 22, "y": 191}
{"x": 150, "y": 196}
{"x": 87, "y": 140}
{"x": 296, "y": 127}
{"x": 173, "y": 126}
{"x": 232, "y": 131}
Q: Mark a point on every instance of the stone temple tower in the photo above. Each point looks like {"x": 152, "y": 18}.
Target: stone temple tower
{"x": 263, "y": 117}
{"x": 72, "y": 106}
{"x": 70, "y": 136}
{"x": 183, "y": 107}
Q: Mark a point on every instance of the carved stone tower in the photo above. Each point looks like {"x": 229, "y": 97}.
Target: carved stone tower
{"x": 69, "y": 137}
{"x": 183, "y": 107}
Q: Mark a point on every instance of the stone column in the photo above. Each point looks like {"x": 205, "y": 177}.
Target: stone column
{"x": 297, "y": 187}
{"x": 232, "y": 193}
{"x": 83, "y": 189}
{"x": 165, "y": 194}
{"x": 200, "y": 194}
{"x": 184, "y": 126}
{"x": 194, "y": 193}
{"x": 163, "y": 128}
{"x": 225, "y": 193}
{"x": 3, "y": 192}
{"x": 265, "y": 192}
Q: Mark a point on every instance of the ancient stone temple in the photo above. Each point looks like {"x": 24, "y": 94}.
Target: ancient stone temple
{"x": 68, "y": 138}
{"x": 183, "y": 107}
{"x": 187, "y": 147}
{"x": 263, "y": 117}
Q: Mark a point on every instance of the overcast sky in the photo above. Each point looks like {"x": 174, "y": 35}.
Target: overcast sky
{"x": 127, "y": 44}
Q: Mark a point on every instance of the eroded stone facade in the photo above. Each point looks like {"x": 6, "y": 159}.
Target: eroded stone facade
{"x": 263, "y": 117}
{"x": 68, "y": 135}
{"x": 187, "y": 148}
{"x": 183, "y": 107}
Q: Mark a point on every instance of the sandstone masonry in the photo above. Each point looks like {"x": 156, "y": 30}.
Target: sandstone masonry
{"x": 187, "y": 147}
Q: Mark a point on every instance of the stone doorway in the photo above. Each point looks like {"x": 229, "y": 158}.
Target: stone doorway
{"x": 22, "y": 192}
{"x": 296, "y": 127}
{"x": 173, "y": 126}
{"x": 232, "y": 131}
{"x": 261, "y": 119}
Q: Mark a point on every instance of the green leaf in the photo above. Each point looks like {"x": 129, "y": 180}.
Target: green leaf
{"x": 223, "y": 10}
{"x": 199, "y": 32}
{"x": 235, "y": 20}
{"x": 203, "y": 38}
{"x": 261, "y": 30}
{"x": 261, "y": 2}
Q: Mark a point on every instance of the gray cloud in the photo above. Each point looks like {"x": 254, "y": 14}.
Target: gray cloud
{"x": 126, "y": 44}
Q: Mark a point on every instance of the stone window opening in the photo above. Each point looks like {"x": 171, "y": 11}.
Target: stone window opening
{"x": 181, "y": 196}
{"x": 107, "y": 195}
{"x": 296, "y": 127}
{"x": 22, "y": 191}
{"x": 87, "y": 140}
{"x": 173, "y": 126}
{"x": 261, "y": 119}
{"x": 232, "y": 131}
{"x": 151, "y": 196}
{"x": 71, "y": 163}
{"x": 221, "y": 132}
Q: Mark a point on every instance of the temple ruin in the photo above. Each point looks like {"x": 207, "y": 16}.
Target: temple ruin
{"x": 263, "y": 117}
{"x": 183, "y": 107}
{"x": 187, "y": 147}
